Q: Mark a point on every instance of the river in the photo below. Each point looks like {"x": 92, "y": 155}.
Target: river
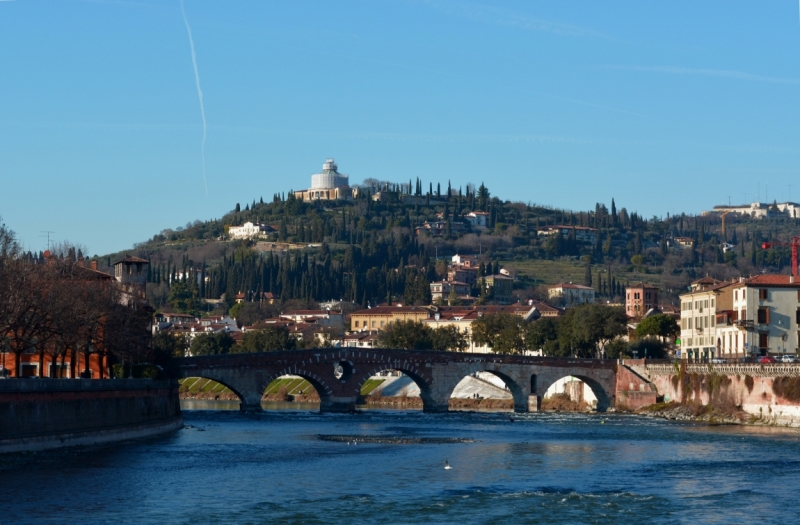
{"x": 294, "y": 465}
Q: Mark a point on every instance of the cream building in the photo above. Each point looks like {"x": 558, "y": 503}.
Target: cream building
{"x": 699, "y": 318}
{"x": 568, "y": 293}
{"x": 744, "y": 318}
{"x": 327, "y": 185}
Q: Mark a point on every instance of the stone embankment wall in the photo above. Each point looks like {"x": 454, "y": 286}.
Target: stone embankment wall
{"x": 768, "y": 392}
{"x": 37, "y": 414}
{"x": 633, "y": 389}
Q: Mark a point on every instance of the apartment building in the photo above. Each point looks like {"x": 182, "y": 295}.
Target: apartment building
{"x": 739, "y": 319}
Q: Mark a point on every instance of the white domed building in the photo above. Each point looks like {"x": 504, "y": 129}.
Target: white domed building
{"x": 328, "y": 185}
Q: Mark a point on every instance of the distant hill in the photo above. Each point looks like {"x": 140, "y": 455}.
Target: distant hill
{"x": 369, "y": 251}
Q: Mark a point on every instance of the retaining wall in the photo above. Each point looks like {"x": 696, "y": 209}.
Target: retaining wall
{"x": 749, "y": 386}
{"x": 37, "y": 414}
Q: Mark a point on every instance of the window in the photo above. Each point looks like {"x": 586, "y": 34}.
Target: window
{"x": 712, "y": 303}
{"x": 382, "y": 323}
{"x": 736, "y": 295}
{"x": 744, "y": 294}
{"x": 763, "y": 340}
{"x": 706, "y": 303}
{"x": 762, "y": 294}
{"x": 690, "y": 323}
{"x": 763, "y": 316}
{"x": 373, "y": 324}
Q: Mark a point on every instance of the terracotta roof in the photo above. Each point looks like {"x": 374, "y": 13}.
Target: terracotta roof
{"x": 643, "y": 285}
{"x": 572, "y": 286}
{"x": 499, "y": 276}
{"x": 388, "y": 310}
{"x": 773, "y": 280}
{"x": 311, "y": 312}
{"x": 132, "y": 259}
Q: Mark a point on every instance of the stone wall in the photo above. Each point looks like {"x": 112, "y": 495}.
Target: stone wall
{"x": 749, "y": 386}
{"x": 37, "y": 414}
{"x": 633, "y": 389}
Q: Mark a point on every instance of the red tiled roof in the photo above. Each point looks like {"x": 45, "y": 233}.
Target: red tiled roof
{"x": 132, "y": 259}
{"x": 387, "y": 310}
{"x": 572, "y": 286}
{"x": 773, "y": 280}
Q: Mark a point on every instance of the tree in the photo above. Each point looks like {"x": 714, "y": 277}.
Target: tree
{"x": 500, "y": 332}
{"x": 586, "y": 328}
{"x": 449, "y": 338}
{"x": 183, "y": 296}
{"x": 542, "y": 334}
{"x": 648, "y": 347}
{"x": 406, "y": 335}
{"x": 660, "y": 325}
{"x": 166, "y": 346}
{"x": 212, "y": 344}
{"x": 268, "y": 339}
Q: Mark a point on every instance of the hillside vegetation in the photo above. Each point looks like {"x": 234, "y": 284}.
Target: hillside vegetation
{"x": 367, "y": 252}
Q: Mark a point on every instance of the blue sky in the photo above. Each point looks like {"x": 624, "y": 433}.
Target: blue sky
{"x": 666, "y": 106}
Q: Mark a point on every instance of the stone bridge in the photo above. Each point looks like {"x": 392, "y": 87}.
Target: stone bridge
{"x": 338, "y": 374}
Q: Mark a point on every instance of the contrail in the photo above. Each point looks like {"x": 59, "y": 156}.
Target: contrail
{"x": 199, "y": 94}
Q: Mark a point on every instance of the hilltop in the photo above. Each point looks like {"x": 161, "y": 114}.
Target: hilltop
{"x": 383, "y": 245}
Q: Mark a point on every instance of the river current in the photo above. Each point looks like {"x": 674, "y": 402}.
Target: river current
{"x": 300, "y": 466}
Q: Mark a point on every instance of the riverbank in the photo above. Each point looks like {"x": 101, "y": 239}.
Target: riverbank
{"x": 711, "y": 414}
{"x": 40, "y": 414}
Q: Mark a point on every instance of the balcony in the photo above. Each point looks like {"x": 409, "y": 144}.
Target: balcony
{"x": 744, "y": 324}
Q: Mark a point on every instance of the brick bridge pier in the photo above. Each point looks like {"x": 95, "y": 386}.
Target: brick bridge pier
{"x": 338, "y": 374}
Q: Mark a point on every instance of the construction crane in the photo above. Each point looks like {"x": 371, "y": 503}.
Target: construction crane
{"x": 722, "y": 216}
{"x": 794, "y": 244}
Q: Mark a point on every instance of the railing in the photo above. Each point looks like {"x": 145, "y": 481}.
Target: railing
{"x": 751, "y": 369}
{"x": 744, "y": 324}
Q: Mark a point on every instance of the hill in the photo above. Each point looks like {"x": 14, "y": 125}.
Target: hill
{"x": 384, "y": 244}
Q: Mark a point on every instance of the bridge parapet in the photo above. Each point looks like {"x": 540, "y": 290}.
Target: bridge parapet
{"x": 750, "y": 369}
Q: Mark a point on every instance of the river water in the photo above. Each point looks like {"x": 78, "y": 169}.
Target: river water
{"x": 299, "y": 466}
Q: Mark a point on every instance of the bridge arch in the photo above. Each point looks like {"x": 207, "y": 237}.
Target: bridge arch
{"x": 601, "y": 393}
{"x": 319, "y": 384}
{"x": 516, "y": 387}
{"x": 224, "y": 382}
{"x": 429, "y": 401}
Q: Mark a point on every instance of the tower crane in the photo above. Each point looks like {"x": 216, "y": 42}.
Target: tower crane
{"x": 722, "y": 216}
{"x": 794, "y": 244}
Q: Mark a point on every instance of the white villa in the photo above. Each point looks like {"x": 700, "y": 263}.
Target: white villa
{"x": 246, "y": 231}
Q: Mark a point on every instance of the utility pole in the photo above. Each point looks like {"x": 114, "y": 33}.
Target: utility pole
{"x": 46, "y": 233}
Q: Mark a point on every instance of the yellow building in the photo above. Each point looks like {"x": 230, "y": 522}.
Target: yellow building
{"x": 377, "y": 318}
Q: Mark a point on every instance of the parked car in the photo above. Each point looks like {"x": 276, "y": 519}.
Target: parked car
{"x": 789, "y": 358}
{"x": 766, "y": 359}
{"x": 719, "y": 361}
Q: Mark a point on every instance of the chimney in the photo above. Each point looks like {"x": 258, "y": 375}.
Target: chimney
{"x": 93, "y": 264}
{"x": 81, "y": 261}
{"x": 791, "y": 279}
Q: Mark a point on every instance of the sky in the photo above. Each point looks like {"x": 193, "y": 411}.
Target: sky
{"x": 665, "y": 106}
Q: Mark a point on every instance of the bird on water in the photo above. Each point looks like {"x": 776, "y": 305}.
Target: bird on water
{"x": 447, "y": 465}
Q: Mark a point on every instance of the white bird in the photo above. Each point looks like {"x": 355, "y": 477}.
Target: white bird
{"x": 447, "y": 465}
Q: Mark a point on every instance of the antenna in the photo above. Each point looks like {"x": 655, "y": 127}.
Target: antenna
{"x": 46, "y": 233}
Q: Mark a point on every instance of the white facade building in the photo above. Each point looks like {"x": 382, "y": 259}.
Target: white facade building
{"x": 327, "y": 185}
{"x": 745, "y": 318}
{"x": 568, "y": 293}
{"x": 759, "y": 210}
{"x": 246, "y": 231}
